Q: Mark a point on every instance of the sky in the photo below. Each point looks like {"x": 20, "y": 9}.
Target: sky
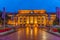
{"x": 15, "y": 5}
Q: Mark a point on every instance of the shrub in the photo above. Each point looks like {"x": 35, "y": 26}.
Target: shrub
{"x": 55, "y": 30}
{"x": 59, "y": 30}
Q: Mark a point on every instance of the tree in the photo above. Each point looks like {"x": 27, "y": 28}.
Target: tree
{"x": 56, "y": 21}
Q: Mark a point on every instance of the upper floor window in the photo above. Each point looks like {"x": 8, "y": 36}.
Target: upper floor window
{"x": 38, "y": 18}
{"x": 42, "y": 18}
{"x": 24, "y": 18}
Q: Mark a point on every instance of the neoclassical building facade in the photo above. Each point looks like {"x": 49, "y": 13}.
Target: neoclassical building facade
{"x": 32, "y": 18}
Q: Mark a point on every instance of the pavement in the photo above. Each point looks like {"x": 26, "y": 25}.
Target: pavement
{"x": 52, "y": 32}
{"x": 29, "y": 34}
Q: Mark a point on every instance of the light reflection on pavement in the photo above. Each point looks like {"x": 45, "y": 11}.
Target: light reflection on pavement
{"x": 30, "y": 34}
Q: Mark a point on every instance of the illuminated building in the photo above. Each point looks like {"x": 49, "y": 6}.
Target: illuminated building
{"x": 32, "y": 18}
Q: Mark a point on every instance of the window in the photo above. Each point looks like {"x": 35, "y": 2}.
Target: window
{"x": 42, "y": 18}
{"x": 24, "y": 25}
{"x": 42, "y": 21}
{"x": 38, "y": 18}
{"x": 24, "y": 21}
{"x": 20, "y": 24}
{"x": 42, "y": 24}
{"x": 38, "y": 24}
{"x": 20, "y": 18}
{"x": 24, "y": 18}
{"x": 20, "y": 21}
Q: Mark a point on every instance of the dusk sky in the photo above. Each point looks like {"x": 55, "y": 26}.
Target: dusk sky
{"x": 15, "y": 5}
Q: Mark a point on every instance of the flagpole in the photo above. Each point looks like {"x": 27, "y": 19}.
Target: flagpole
{"x": 58, "y": 14}
{"x": 4, "y": 17}
{"x": 59, "y": 20}
{"x": 59, "y": 17}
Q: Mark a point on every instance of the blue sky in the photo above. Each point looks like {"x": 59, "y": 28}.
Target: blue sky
{"x": 15, "y": 5}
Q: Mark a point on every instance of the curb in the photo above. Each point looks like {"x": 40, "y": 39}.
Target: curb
{"x": 52, "y": 33}
{"x": 7, "y": 33}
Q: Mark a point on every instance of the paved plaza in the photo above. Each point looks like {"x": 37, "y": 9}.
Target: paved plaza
{"x": 29, "y": 34}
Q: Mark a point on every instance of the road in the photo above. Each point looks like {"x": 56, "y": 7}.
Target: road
{"x": 30, "y": 34}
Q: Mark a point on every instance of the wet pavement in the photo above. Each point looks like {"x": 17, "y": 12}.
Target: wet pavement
{"x": 30, "y": 34}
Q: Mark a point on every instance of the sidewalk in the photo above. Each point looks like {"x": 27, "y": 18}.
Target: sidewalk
{"x": 6, "y": 31}
{"x": 54, "y": 33}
